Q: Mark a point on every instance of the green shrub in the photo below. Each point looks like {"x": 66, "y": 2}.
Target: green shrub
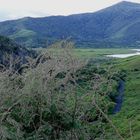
{"x": 47, "y": 102}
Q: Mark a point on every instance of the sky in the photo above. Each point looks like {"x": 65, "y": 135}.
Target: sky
{"x": 14, "y": 9}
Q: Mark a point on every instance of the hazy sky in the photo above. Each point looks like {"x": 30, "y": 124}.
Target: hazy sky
{"x": 12, "y": 9}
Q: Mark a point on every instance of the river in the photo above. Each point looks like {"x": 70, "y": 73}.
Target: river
{"x": 119, "y": 98}
{"x": 125, "y": 55}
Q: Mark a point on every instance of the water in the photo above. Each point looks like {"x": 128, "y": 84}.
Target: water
{"x": 119, "y": 98}
{"x": 125, "y": 55}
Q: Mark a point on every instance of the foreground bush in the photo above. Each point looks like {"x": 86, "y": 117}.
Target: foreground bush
{"x": 47, "y": 101}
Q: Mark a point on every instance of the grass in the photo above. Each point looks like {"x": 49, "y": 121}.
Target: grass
{"x": 90, "y": 53}
{"x": 93, "y": 53}
{"x": 128, "y": 119}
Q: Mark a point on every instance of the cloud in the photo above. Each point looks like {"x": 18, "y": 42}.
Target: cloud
{"x": 13, "y": 9}
{"x": 7, "y": 15}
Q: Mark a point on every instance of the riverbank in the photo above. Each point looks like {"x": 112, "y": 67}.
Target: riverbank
{"x": 128, "y": 119}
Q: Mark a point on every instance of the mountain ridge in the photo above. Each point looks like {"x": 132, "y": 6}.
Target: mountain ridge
{"x": 116, "y": 25}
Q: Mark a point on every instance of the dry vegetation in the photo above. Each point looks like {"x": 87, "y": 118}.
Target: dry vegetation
{"x": 48, "y": 101}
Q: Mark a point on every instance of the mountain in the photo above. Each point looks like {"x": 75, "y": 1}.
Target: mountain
{"x": 114, "y": 26}
{"x": 10, "y": 50}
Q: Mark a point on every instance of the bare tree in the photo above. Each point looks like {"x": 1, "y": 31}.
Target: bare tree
{"x": 47, "y": 101}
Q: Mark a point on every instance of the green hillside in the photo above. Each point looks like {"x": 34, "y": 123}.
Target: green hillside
{"x": 115, "y": 26}
{"x": 11, "y": 51}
